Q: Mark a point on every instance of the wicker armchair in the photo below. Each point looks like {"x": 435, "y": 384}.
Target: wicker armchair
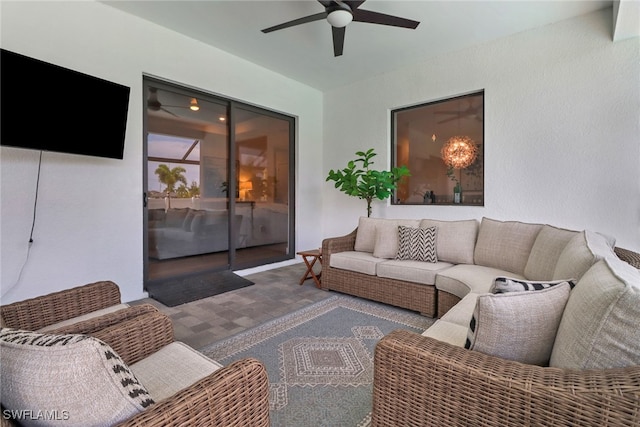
{"x": 420, "y": 381}
{"x": 39, "y": 312}
{"x": 234, "y": 395}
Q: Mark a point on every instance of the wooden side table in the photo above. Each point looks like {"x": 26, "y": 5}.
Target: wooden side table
{"x": 310, "y": 257}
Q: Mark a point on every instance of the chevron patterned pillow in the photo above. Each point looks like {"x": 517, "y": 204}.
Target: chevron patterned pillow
{"x": 418, "y": 244}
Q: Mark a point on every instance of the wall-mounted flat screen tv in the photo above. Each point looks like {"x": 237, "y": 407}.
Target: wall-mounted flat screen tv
{"x": 47, "y": 107}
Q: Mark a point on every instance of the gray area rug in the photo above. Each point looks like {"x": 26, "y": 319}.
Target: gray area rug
{"x": 319, "y": 359}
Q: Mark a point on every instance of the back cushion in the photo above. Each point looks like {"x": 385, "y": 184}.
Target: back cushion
{"x": 386, "y": 243}
{"x": 505, "y": 245}
{"x": 366, "y": 234}
{"x": 581, "y": 252}
{"x": 456, "y": 240}
{"x": 599, "y": 326}
{"x": 545, "y": 252}
{"x": 77, "y": 377}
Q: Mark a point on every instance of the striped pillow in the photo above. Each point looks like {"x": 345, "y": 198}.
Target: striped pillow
{"x": 507, "y": 284}
{"x": 77, "y": 377}
{"x": 418, "y": 244}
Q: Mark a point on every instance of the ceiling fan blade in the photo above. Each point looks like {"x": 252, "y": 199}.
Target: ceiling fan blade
{"x": 450, "y": 119}
{"x": 353, "y": 4}
{"x": 167, "y": 111}
{"x": 448, "y": 112}
{"x": 370, "y": 17}
{"x": 338, "y": 40}
{"x": 304, "y": 20}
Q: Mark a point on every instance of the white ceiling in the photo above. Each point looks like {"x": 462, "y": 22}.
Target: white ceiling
{"x": 305, "y": 52}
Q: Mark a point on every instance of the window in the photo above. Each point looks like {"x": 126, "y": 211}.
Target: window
{"x": 442, "y": 144}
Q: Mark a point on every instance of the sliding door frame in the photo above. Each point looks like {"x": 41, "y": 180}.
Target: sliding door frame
{"x": 232, "y": 106}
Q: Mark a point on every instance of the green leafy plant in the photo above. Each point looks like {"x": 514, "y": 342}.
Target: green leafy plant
{"x": 170, "y": 177}
{"x": 360, "y": 181}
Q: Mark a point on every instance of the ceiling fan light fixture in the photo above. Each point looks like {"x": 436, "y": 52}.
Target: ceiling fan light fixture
{"x": 339, "y": 18}
{"x": 193, "y": 105}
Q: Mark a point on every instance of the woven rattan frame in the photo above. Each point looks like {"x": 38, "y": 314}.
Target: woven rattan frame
{"x": 35, "y": 313}
{"x": 629, "y": 256}
{"x": 233, "y": 396}
{"x": 138, "y": 337}
{"x": 98, "y": 323}
{"x": 412, "y": 296}
{"x": 420, "y": 381}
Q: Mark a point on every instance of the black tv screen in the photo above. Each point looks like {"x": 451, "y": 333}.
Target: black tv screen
{"x": 47, "y": 107}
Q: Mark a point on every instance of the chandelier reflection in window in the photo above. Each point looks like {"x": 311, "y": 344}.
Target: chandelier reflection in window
{"x": 459, "y": 152}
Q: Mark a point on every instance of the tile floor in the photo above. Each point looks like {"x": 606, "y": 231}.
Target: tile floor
{"x": 276, "y": 292}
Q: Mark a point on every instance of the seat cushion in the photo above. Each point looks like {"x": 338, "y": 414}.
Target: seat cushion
{"x": 505, "y": 245}
{"x": 84, "y": 317}
{"x": 600, "y": 325}
{"x": 77, "y": 377}
{"x": 173, "y": 368}
{"x": 448, "y": 332}
{"x": 361, "y": 262}
{"x": 518, "y": 326}
{"x": 461, "y": 279}
{"x": 411, "y": 271}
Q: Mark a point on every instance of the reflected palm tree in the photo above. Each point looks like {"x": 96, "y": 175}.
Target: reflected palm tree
{"x": 170, "y": 177}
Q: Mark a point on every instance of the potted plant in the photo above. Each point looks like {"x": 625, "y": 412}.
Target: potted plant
{"x": 360, "y": 181}
{"x": 457, "y": 189}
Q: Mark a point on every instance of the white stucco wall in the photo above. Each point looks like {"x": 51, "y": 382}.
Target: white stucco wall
{"x": 562, "y": 128}
{"x": 89, "y": 222}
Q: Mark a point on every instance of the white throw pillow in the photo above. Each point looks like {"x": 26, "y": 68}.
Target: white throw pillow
{"x": 77, "y": 379}
{"x": 518, "y": 326}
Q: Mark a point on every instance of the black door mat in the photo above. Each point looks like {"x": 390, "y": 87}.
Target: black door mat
{"x": 182, "y": 290}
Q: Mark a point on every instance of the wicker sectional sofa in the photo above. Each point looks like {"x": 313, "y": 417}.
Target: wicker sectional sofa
{"x": 566, "y": 354}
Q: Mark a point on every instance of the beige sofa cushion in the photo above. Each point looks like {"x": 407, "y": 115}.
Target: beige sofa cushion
{"x": 600, "y": 326}
{"x": 77, "y": 377}
{"x": 461, "y": 313}
{"x": 173, "y": 368}
{"x": 84, "y": 317}
{"x": 448, "y": 332}
{"x": 386, "y": 236}
{"x": 366, "y": 234}
{"x": 545, "y": 252}
{"x": 361, "y": 262}
{"x": 461, "y": 279}
{"x": 411, "y": 271}
{"x": 518, "y": 326}
{"x": 456, "y": 240}
{"x": 505, "y": 245}
{"x": 580, "y": 253}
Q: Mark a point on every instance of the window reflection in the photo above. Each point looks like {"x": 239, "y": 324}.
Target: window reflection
{"x": 442, "y": 143}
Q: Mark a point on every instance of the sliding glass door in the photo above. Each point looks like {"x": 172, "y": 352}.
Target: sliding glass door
{"x": 219, "y": 183}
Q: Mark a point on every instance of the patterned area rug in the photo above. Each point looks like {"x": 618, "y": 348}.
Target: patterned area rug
{"x": 320, "y": 359}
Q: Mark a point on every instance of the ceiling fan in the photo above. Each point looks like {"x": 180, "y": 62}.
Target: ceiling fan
{"x": 339, "y": 13}
{"x": 155, "y": 105}
{"x": 470, "y": 111}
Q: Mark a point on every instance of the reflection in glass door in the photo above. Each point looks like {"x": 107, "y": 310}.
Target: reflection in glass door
{"x": 198, "y": 218}
{"x": 262, "y": 155}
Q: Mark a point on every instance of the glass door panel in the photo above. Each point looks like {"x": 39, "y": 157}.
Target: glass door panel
{"x": 187, "y": 185}
{"x": 262, "y": 147}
